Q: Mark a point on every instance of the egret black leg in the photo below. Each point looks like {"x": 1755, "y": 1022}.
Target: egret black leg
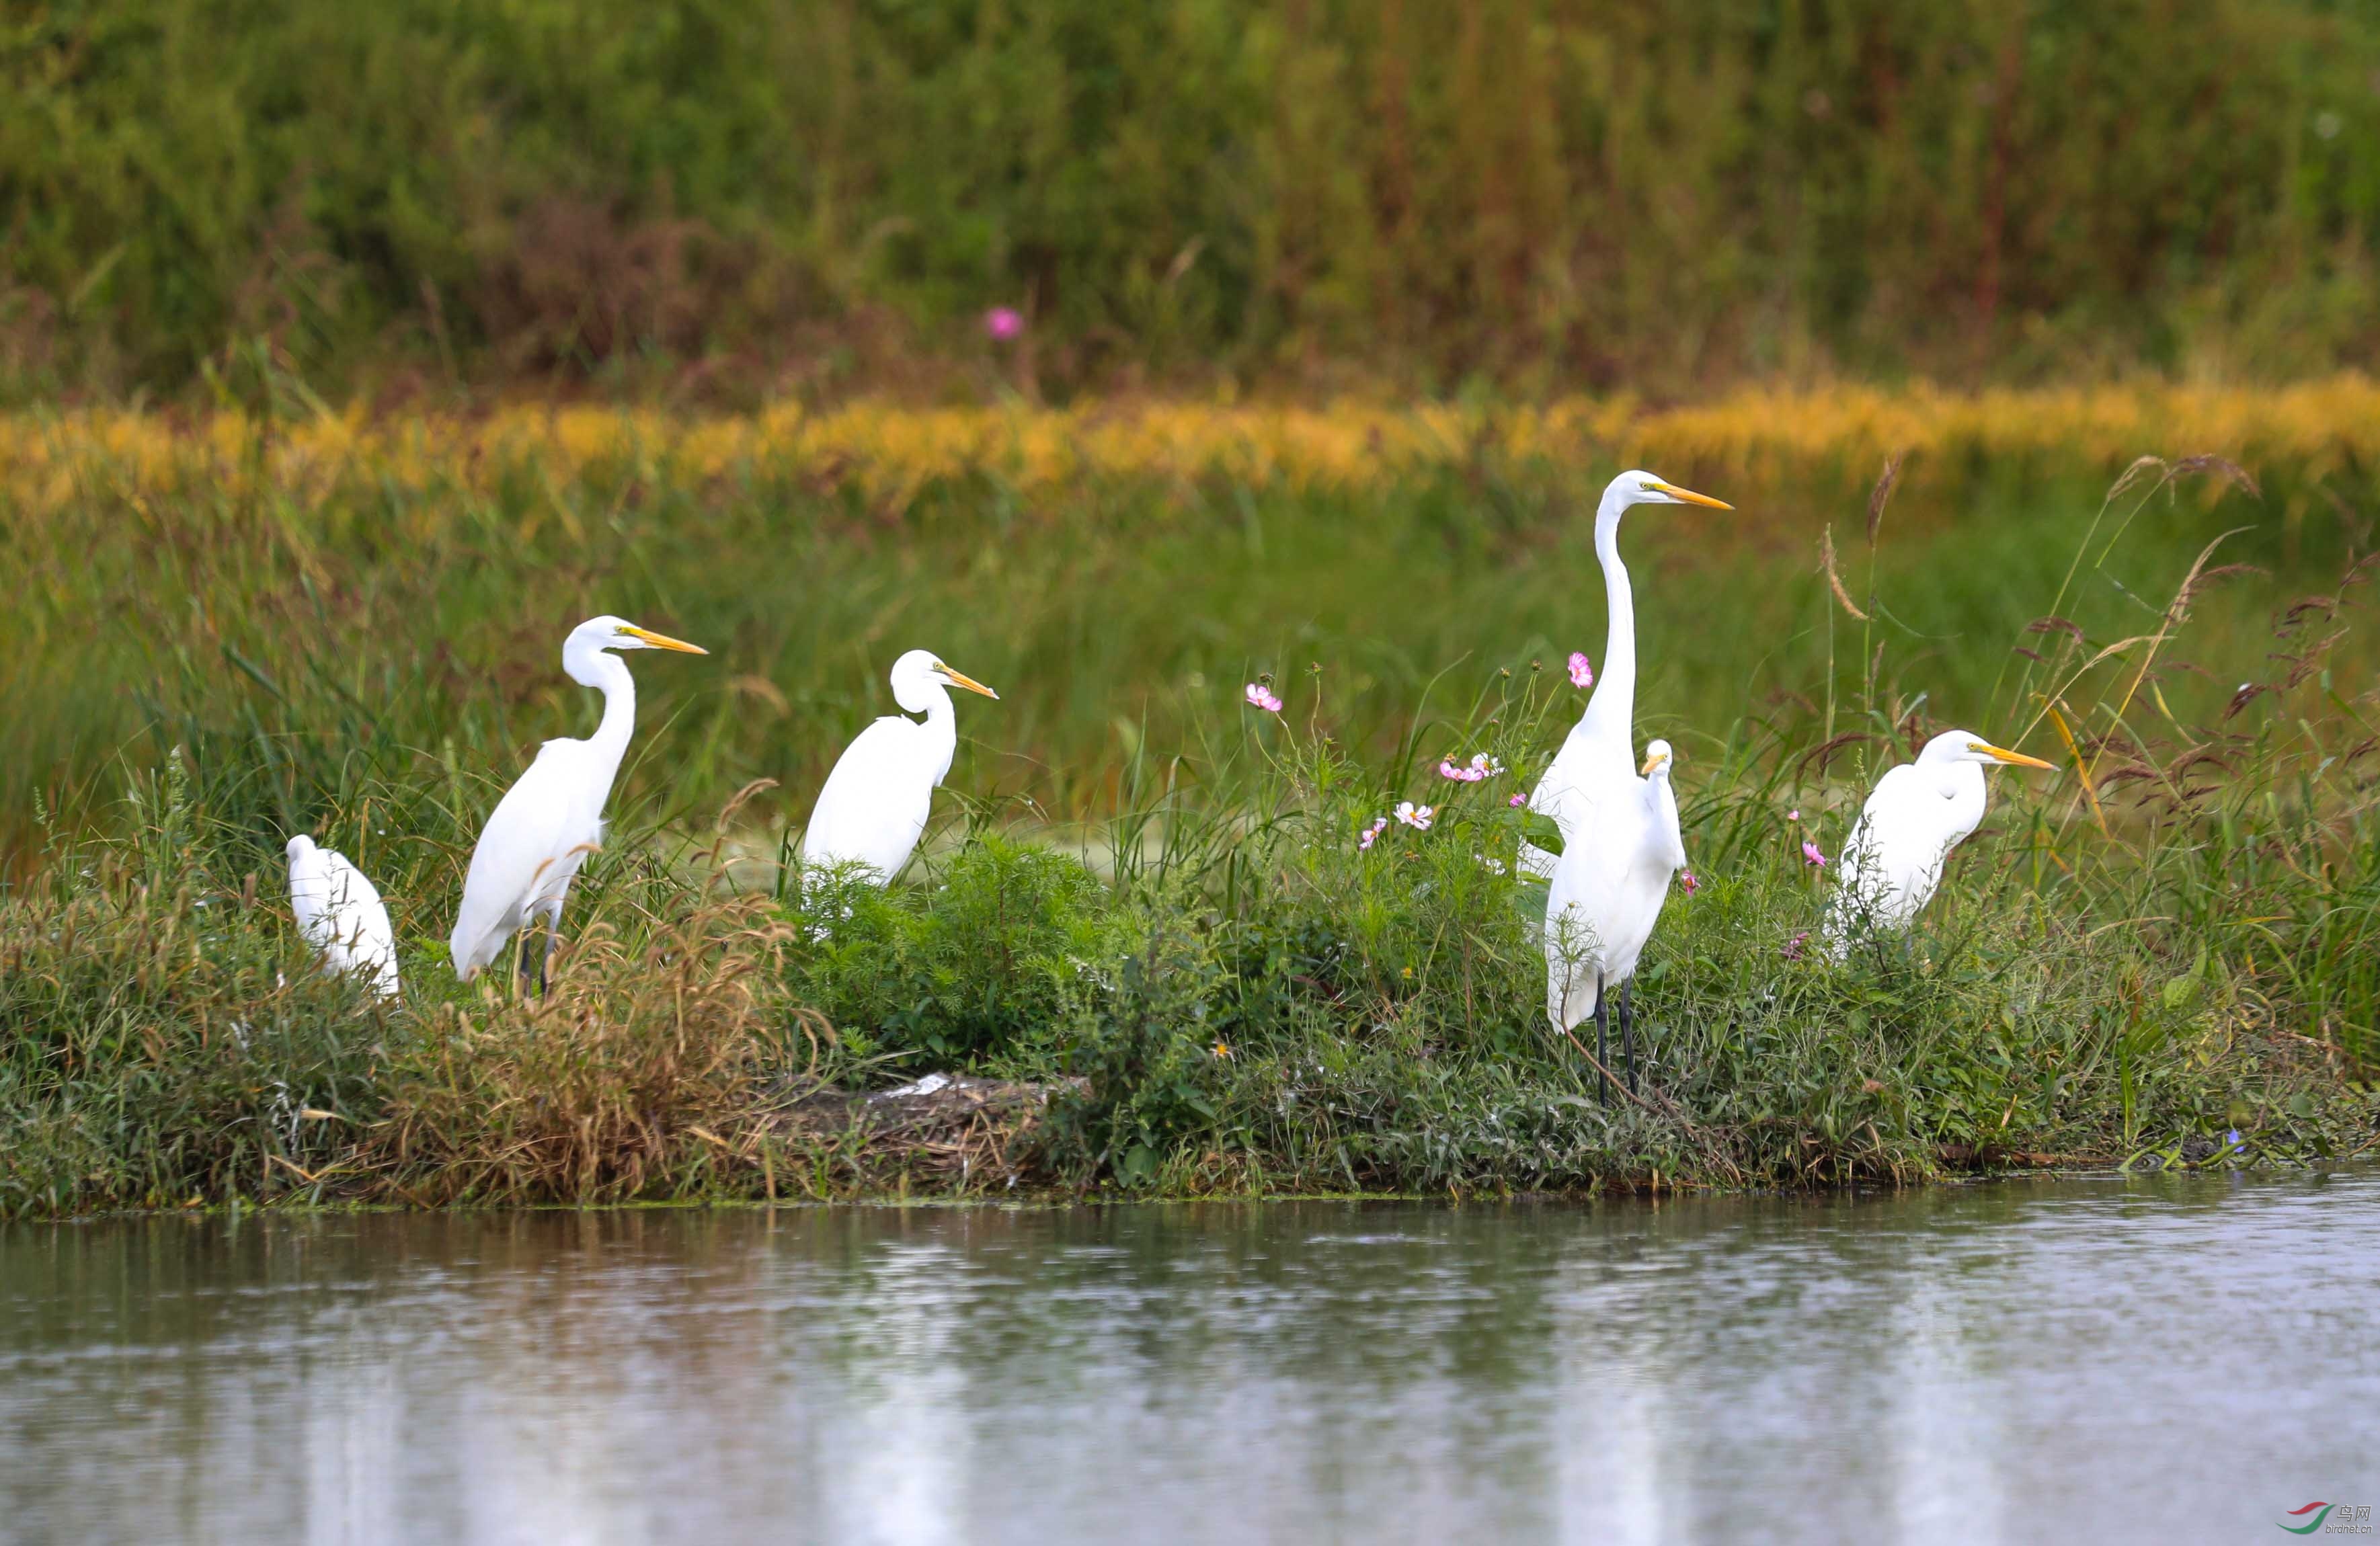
{"x": 521, "y": 963}
{"x": 1628, "y": 1037}
{"x": 1602, "y": 1040}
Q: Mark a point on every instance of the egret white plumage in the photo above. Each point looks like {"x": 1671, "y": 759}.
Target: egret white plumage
{"x": 552, "y": 816}
{"x": 873, "y": 806}
{"x": 340, "y": 915}
{"x": 1918, "y": 813}
{"x": 1597, "y": 751}
{"x": 1608, "y": 884}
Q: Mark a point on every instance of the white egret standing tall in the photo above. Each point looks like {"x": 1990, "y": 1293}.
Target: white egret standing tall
{"x": 873, "y": 808}
{"x": 552, "y": 817}
{"x": 339, "y": 913}
{"x": 1606, "y": 895}
{"x": 1599, "y": 750}
{"x": 1919, "y": 812}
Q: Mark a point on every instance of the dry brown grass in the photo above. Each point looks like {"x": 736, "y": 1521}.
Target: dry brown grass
{"x": 969, "y": 1134}
{"x": 615, "y": 1085}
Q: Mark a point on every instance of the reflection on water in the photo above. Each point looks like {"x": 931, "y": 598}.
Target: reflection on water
{"x": 2175, "y": 1359}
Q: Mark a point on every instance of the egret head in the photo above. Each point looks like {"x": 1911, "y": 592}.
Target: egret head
{"x": 582, "y": 652}
{"x": 1967, "y": 746}
{"x": 919, "y": 678}
{"x": 618, "y": 633}
{"x": 298, "y": 846}
{"x": 1658, "y": 759}
{"x": 1642, "y": 488}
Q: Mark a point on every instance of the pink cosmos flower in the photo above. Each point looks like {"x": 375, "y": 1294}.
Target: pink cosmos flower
{"x": 1686, "y": 878}
{"x": 1793, "y": 815}
{"x": 1517, "y": 801}
{"x": 1812, "y": 857}
{"x": 1485, "y": 766}
{"x": 1002, "y": 323}
{"x": 1463, "y": 775}
{"x": 1479, "y": 767}
{"x": 1260, "y": 697}
{"x": 1580, "y": 674}
{"x": 1371, "y": 834}
{"x": 1418, "y": 817}
{"x": 1792, "y": 950}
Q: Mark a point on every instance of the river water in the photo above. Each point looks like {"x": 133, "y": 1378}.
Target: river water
{"x": 2171, "y": 1359}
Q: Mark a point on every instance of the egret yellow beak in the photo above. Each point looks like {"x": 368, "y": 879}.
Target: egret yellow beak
{"x": 662, "y": 641}
{"x": 2012, "y": 759}
{"x": 960, "y": 678}
{"x": 1650, "y": 763}
{"x": 1687, "y": 496}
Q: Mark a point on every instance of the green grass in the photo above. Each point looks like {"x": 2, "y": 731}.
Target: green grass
{"x": 1232, "y": 995}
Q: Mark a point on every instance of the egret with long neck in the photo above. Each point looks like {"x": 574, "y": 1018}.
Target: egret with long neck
{"x": 1599, "y": 750}
{"x": 552, "y": 817}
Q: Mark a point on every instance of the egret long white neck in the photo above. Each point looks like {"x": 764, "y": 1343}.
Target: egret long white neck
{"x": 1610, "y": 720}
{"x": 941, "y": 729}
{"x": 609, "y": 674}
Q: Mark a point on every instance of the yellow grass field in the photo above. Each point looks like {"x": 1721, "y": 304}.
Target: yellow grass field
{"x": 889, "y": 450}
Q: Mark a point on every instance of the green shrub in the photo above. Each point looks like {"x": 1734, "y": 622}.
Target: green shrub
{"x": 982, "y": 967}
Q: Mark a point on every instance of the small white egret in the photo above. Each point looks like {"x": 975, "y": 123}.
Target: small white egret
{"x": 1919, "y": 812}
{"x": 1608, "y": 887}
{"x": 1596, "y": 752}
{"x": 339, "y": 913}
{"x": 873, "y": 808}
{"x": 552, "y": 816}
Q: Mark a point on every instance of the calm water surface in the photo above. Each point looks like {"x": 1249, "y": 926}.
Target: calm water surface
{"x": 2159, "y": 1359}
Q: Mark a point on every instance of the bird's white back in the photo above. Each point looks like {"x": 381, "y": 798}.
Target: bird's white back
{"x": 533, "y": 845}
{"x": 1893, "y": 861}
{"x": 874, "y": 805}
{"x": 340, "y": 913}
{"x": 1605, "y": 893}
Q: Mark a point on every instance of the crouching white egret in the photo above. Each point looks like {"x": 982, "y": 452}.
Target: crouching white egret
{"x": 340, "y": 915}
{"x": 552, "y": 816}
{"x": 873, "y": 808}
{"x": 1608, "y": 884}
{"x": 1919, "y": 812}
{"x": 1596, "y": 750}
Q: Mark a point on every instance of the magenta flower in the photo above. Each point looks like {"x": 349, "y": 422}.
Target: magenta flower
{"x": 1418, "y": 817}
{"x": 1794, "y": 816}
{"x": 1812, "y": 857}
{"x": 1792, "y": 949}
{"x": 1002, "y": 323}
{"x": 1580, "y": 674}
{"x": 1517, "y": 801}
{"x": 1479, "y": 767}
{"x": 1260, "y": 697}
{"x": 1371, "y": 834}
{"x": 1686, "y": 878}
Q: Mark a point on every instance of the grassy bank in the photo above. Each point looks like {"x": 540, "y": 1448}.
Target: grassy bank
{"x": 227, "y": 634}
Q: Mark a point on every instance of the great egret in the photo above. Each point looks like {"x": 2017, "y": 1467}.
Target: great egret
{"x": 552, "y": 817}
{"x": 1608, "y": 887}
{"x": 874, "y": 805}
{"x": 1596, "y": 752}
{"x": 1919, "y": 812}
{"x": 339, "y": 913}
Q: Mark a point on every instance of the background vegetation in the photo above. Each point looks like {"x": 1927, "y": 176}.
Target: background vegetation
{"x": 805, "y": 196}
